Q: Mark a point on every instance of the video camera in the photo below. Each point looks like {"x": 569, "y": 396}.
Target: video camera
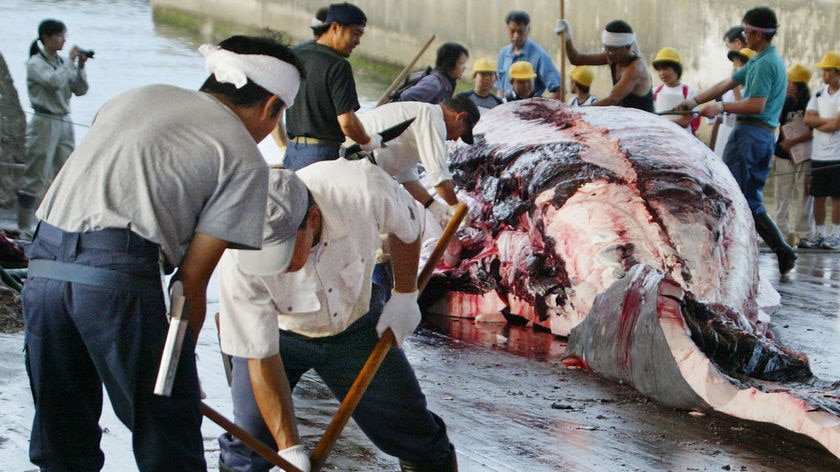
{"x": 87, "y": 52}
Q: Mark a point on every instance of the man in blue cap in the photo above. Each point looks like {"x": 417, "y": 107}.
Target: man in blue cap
{"x": 324, "y": 112}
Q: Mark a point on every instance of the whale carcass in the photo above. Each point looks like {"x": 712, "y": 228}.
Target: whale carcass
{"x": 583, "y": 219}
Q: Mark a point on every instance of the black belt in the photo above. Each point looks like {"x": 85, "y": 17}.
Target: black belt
{"x": 318, "y": 141}
{"x": 754, "y": 122}
{"x": 83, "y": 274}
{"x": 109, "y": 239}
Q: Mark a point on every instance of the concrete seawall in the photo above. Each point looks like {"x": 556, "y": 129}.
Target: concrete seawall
{"x": 396, "y": 29}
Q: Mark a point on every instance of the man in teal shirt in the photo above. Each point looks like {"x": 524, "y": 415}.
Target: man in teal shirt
{"x": 749, "y": 151}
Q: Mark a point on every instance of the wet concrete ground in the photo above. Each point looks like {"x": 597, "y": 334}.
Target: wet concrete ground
{"x": 512, "y": 405}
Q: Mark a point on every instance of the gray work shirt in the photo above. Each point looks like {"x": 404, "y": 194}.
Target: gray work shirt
{"x": 164, "y": 162}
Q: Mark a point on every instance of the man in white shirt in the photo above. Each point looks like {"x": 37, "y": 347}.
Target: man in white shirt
{"x": 318, "y": 288}
{"x": 823, "y": 115}
{"x": 424, "y": 142}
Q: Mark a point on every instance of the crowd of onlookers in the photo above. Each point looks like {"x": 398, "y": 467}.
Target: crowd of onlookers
{"x": 804, "y": 125}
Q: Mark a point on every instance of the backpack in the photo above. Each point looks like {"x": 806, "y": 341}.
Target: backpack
{"x": 695, "y": 122}
{"x": 409, "y": 82}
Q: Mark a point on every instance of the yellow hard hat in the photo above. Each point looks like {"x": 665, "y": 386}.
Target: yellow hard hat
{"x": 582, "y": 75}
{"x": 522, "y": 70}
{"x": 666, "y": 55}
{"x": 798, "y": 73}
{"x": 745, "y": 54}
{"x": 484, "y": 65}
{"x": 831, "y": 60}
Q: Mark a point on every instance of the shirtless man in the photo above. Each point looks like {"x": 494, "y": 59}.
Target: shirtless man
{"x": 631, "y": 80}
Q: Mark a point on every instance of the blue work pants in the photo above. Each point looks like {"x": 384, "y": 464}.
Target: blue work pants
{"x": 80, "y": 336}
{"x": 748, "y": 154}
{"x": 392, "y": 412}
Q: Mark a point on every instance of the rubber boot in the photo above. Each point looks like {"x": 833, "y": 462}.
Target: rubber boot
{"x": 25, "y": 213}
{"x": 450, "y": 464}
{"x": 771, "y": 235}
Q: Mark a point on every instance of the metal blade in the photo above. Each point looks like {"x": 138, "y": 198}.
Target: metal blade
{"x": 387, "y": 135}
{"x": 174, "y": 340}
{"x": 677, "y": 112}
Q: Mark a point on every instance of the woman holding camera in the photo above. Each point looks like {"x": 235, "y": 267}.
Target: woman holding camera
{"x": 51, "y": 80}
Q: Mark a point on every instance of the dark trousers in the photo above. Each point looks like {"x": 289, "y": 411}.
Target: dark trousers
{"x": 749, "y": 154}
{"x": 392, "y": 413}
{"x": 80, "y": 336}
{"x": 300, "y": 155}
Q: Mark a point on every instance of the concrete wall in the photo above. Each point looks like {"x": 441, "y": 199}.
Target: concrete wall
{"x": 396, "y": 29}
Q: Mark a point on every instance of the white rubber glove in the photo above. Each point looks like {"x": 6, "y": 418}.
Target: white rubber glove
{"x": 441, "y": 212}
{"x": 401, "y": 314}
{"x": 297, "y": 456}
{"x": 374, "y": 143}
{"x": 562, "y": 26}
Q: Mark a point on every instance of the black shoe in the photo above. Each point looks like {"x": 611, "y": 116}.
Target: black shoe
{"x": 223, "y": 467}
{"x": 450, "y": 464}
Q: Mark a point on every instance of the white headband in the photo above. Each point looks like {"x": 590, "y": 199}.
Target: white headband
{"x": 615, "y": 40}
{"x": 276, "y": 76}
{"x": 760, "y": 29}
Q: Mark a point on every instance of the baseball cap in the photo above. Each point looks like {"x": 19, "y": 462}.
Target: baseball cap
{"x": 522, "y": 70}
{"x": 318, "y": 22}
{"x": 345, "y": 14}
{"x": 284, "y": 213}
{"x": 484, "y": 65}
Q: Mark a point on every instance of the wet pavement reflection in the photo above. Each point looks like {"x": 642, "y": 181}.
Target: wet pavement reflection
{"x": 510, "y": 401}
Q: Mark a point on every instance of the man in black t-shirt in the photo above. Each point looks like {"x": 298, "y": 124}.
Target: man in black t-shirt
{"x": 325, "y": 108}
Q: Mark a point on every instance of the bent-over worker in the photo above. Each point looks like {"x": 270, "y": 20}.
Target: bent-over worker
{"x": 330, "y": 316}
{"x": 177, "y": 187}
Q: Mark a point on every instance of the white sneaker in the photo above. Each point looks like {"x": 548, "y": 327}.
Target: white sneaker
{"x": 832, "y": 242}
{"x": 811, "y": 242}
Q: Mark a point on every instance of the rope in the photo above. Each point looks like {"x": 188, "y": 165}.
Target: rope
{"x": 53, "y": 117}
{"x": 88, "y": 126}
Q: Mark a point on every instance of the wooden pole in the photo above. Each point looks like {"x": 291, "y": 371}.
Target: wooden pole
{"x": 563, "y": 53}
{"x": 354, "y": 395}
{"x": 258, "y": 446}
{"x": 396, "y": 83}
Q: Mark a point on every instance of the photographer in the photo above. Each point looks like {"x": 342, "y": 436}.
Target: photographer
{"x": 51, "y": 81}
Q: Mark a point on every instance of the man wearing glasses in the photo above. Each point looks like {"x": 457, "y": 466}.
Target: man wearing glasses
{"x": 749, "y": 150}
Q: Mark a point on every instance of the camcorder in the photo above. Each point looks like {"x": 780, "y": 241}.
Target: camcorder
{"x": 87, "y": 52}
